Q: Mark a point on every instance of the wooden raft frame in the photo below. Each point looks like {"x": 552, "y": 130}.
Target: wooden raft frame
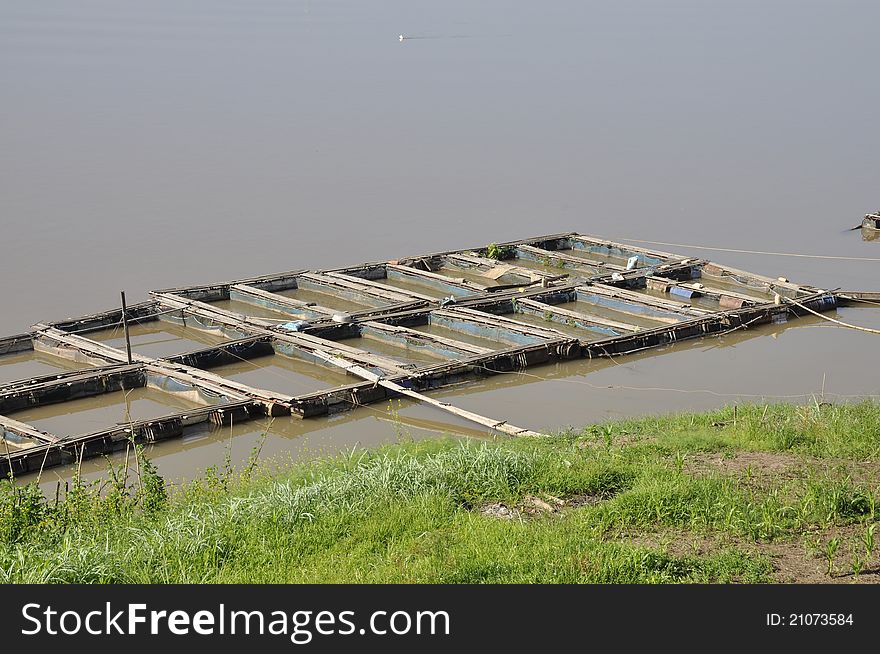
{"x": 532, "y": 277}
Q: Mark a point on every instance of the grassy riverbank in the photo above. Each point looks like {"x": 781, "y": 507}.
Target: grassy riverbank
{"x": 769, "y": 493}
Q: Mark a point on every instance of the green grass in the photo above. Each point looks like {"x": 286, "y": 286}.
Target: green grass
{"x": 414, "y": 512}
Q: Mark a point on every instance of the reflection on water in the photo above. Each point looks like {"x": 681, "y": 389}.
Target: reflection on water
{"x": 24, "y": 365}
{"x": 93, "y": 414}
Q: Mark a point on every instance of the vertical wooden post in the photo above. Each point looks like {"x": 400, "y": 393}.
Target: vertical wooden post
{"x": 125, "y": 327}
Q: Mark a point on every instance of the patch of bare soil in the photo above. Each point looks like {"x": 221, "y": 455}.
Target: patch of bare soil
{"x": 861, "y": 472}
{"x": 803, "y": 561}
{"x": 762, "y": 463}
{"x": 677, "y": 542}
{"x": 762, "y": 470}
{"x": 807, "y": 561}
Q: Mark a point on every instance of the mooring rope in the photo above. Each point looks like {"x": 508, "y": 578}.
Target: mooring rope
{"x": 838, "y": 322}
{"x": 774, "y": 254}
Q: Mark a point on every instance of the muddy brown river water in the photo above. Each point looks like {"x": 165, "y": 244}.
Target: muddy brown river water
{"x": 154, "y": 144}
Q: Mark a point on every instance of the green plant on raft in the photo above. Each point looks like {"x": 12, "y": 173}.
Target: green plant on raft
{"x": 498, "y": 252}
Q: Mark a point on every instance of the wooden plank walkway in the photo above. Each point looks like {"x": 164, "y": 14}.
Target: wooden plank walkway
{"x": 468, "y": 296}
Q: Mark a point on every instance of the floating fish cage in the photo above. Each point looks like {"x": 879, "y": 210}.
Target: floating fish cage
{"x": 340, "y": 338}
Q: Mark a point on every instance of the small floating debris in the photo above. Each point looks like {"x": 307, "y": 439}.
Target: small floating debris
{"x": 295, "y": 325}
{"x": 870, "y": 226}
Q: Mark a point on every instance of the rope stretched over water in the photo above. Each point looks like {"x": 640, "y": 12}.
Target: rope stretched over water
{"x": 838, "y": 322}
{"x": 775, "y": 254}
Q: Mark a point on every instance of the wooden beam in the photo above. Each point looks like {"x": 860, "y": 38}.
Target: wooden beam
{"x": 362, "y": 272}
{"x": 493, "y": 269}
{"x": 579, "y": 318}
{"x": 20, "y": 429}
{"x": 73, "y": 386}
{"x": 501, "y": 302}
{"x": 856, "y": 297}
{"x": 497, "y": 425}
{"x": 640, "y": 304}
{"x": 297, "y": 308}
{"x": 432, "y": 279}
{"x": 406, "y": 337}
{"x": 728, "y": 299}
{"x": 277, "y": 282}
{"x": 637, "y": 277}
{"x": 313, "y": 313}
{"x": 493, "y": 327}
{"x": 16, "y": 344}
{"x": 384, "y": 287}
{"x": 771, "y": 285}
{"x": 202, "y": 292}
{"x": 538, "y": 254}
{"x": 61, "y": 375}
{"x": 343, "y": 286}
